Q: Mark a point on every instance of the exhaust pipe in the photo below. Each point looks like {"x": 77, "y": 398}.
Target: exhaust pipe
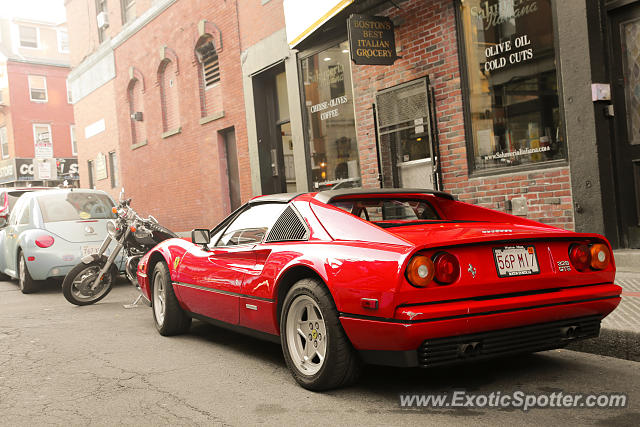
{"x": 469, "y": 349}
{"x": 571, "y": 332}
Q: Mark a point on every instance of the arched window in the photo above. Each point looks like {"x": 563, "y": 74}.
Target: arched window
{"x": 136, "y": 112}
{"x": 168, "y": 79}
{"x": 209, "y": 77}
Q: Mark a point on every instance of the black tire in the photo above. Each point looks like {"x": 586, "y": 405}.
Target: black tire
{"x": 342, "y": 365}
{"x": 68, "y": 283}
{"x": 173, "y": 321}
{"x": 25, "y": 281}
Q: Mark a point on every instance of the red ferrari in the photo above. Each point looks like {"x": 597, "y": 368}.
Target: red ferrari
{"x": 394, "y": 276}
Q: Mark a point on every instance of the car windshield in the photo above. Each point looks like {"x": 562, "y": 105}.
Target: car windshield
{"x": 388, "y": 211}
{"x": 74, "y": 206}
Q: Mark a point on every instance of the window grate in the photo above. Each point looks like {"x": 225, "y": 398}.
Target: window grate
{"x": 288, "y": 227}
{"x": 210, "y": 64}
{"x": 403, "y": 104}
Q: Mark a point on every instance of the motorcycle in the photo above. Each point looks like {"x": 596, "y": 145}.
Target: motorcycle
{"x": 92, "y": 279}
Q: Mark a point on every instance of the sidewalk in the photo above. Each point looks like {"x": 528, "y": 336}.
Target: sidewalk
{"x": 620, "y": 331}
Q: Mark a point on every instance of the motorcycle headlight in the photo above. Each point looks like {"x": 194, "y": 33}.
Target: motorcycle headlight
{"x": 113, "y": 229}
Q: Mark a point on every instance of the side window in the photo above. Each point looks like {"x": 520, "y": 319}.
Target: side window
{"x": 252, "y": 225}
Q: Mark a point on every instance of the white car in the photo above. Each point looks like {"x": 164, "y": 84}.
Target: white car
{"x": 50, "y": 231}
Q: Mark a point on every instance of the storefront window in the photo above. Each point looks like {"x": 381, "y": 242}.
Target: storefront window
{"x": 513, "y": 91}
{"x": 330, "y": 118}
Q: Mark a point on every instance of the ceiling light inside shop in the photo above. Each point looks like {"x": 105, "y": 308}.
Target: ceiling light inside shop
{"x": 327, "y": 59}
{"x": 345, "y": 50}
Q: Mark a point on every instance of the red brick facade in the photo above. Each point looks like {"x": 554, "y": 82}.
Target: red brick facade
{"x": 428, "y": 37}
{"x": 179, "y": 175}
{"x": 56, "y": 112}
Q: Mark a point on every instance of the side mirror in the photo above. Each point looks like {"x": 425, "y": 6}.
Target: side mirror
{"x": 200, "y": 236}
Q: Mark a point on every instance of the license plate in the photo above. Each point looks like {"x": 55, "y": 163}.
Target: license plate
{"x": 90, "y": 250}
{"x": 516, "y": 261}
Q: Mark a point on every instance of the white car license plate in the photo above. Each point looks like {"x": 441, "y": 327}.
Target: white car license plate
{"x": 90, "y": 250}
{"x": 516, "y": 261}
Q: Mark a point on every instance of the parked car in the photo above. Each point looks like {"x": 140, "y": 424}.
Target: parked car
{"x": 8, "y": 198}
{"x": 395, "y": 277}
{"x": 49, "y": 231}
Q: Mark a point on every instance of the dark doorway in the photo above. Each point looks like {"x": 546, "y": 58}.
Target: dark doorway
{"x": 233, "y": 174}
{"x": 275, "y": 144}
{"x": 625, "y": 39}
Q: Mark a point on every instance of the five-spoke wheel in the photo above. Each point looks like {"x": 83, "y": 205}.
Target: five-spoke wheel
{"x": 316, "y": 348}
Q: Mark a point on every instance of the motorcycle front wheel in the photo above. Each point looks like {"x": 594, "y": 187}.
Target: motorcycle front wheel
{"x": 77, "y": 287}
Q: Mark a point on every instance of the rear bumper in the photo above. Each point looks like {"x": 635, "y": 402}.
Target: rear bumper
{"x": 57, "y": 260}
{"x": 397, "y": 341}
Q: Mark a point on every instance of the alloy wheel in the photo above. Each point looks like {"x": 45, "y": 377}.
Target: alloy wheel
{"x": 22, "y": 269}
{"x": 159, "y": 297}
{"x": 306, "y": 335}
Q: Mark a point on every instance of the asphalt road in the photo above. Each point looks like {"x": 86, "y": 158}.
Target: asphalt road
{"x": 106, "y": 365}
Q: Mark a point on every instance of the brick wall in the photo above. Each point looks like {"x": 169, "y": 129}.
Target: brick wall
{"x": 56, "y": 112}
{"x": 258, "y": 20}
{"x": 178, "y": 178}
{"x": 427, "y": 35}
{"x": 99, "y": 105}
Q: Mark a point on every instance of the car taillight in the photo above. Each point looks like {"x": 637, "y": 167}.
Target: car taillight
{"x": 600, "y": 256}
{"x": 580, "y": 256}
{"x": 44, "y": 241}
{"x": 420, "y": 271}
{"x": 447, "y": 268}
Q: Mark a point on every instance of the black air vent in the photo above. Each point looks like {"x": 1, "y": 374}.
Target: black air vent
{"x": 288, "y": 227}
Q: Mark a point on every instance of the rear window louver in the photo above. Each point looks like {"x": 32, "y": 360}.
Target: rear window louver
{"x": 288, "y": 227}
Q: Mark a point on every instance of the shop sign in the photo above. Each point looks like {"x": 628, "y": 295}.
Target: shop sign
{"x": 44, "y": 146}
{"x": 101, "y": 166}
{"x": 371, "y": 40}
{"x": 24, "y": 168}
{"x": 44, "y": 169}
{"x": 7, "y": 171}
{"x": 68, "y": 168}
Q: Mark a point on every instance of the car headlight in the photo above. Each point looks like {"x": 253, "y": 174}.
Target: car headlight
{"x": 113, "y": 229}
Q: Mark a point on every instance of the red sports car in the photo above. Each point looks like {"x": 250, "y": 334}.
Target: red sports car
{"x": 394, "y": 276}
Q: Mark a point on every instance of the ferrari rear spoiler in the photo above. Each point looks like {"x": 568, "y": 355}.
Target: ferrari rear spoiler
{"x": 329, "y": 195}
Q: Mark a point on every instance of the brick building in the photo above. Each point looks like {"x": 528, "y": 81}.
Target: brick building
{"x": 519, "y": 105}
{"x": 36, "y": 118}
{"x": 507, "y": 104}
{"x": 169, "y": 105}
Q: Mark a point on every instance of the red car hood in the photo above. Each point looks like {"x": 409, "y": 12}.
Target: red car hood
{"x": 455, "y": 233}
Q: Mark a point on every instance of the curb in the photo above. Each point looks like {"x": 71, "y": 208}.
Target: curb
{"x": 611, "y": 342}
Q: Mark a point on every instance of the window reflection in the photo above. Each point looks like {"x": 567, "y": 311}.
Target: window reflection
{"x": 330, "y": 118}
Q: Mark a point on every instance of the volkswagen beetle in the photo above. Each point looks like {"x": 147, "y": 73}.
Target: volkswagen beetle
{"x": 50, "y": 231}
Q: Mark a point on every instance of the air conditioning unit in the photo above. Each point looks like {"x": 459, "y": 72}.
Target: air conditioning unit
{"x": 103, "y": 20}
{"x": 137, "y": 116}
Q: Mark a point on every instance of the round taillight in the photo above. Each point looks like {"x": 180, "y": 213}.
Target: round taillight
{"x": 44, "y": 241}
{"x": 580, "y": 256}
{"x": 447, "y": 268}
{"x": 420, "y": 271}
{"x": 600, "y": 256}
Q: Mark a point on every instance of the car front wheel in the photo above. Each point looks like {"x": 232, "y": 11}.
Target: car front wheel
{"x": 170, "y": 318}
{"x": 316, "y": 348}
